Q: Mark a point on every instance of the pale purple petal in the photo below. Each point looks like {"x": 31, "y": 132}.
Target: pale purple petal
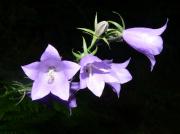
{"x": 70, "y": 68}
{"x": 121, "y": 73}
{"x": 122, "y": 65}
{"x": 83, "y": 78}
{"x": 103, "y": 66}
{"x": 143, "y": 42}
{"x": 72, "y": 103}
{"x": 96, "y": 84}
{"x": 49, "y": 53}
{"x": 116, "y": 87}
{"x": 60, "y": 86}
{"x": 152, "y": 60}
{"x": 109, "y": 77}
{"x": 40, "y": 87}
{"x": 75, "y": 86}
{"x": 152, "y": 31}
{"x": 89, "y": 59}
{"x": 31, "y": 70}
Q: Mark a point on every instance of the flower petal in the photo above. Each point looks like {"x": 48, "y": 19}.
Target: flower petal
{"x": 109, "y": 78}
{"x": 70, "y": 68}
{"x": 60, "y": 86}
{"x": 96, "y": 84}
{"x": 75, "y": 86}
{"x": 152, "y": 31}
{"x": 40, "y": 87}
{"x": 152, "y": 60}
{"x": 102, "y": 66}
{"x": 121, "y": 73}
{"x": 143, "y": 42}
{"x": 83, "y": 79}
{"x": 31, "y": 70}
{"x": 122, "y": 65}
{"x": 89, "y": 59}
{"x": 72, "y": 103}
{"x": 116, "y": 87}
{"x": 50, "y": 52}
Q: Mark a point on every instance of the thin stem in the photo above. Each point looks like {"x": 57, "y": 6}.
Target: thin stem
{"x": 92, "y": 42}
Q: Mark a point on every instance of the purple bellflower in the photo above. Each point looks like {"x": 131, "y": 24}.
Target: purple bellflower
{"x": 94, "y": 73}
{"x": 51, "y": 75}
{"x": 145, "y": 40}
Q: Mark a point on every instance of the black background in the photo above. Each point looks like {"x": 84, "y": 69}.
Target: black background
{"x": 149, "y": 104}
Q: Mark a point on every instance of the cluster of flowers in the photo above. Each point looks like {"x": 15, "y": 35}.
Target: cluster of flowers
{"x": 53, "y": 75}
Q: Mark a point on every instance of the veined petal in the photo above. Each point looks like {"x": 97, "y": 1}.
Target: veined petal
{"x": 40, "y": 87}
{"x": 121, "y": 73}
{"x": 70, "y": 68}
{"x": 60, "y": 86}
{"x": 31, "y": 70}
{"x": 50, "y": 52}
{"x": 96, "y": 84}
{"x": 116, "y": 87}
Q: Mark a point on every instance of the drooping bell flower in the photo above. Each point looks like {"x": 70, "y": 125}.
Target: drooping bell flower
{"x": 94, "y": 73}
{"x": 145, "y": 40}
{"x": 51, "y": 75}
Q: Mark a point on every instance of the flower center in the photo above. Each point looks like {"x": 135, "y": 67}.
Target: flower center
{"x": 89, "y": 69}
{"x": 51, "y": 73}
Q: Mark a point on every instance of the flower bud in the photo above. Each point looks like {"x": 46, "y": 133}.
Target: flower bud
{"x": 101, "y": 27}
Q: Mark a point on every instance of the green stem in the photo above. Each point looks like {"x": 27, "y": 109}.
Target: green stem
{"x": 92, "y": 42}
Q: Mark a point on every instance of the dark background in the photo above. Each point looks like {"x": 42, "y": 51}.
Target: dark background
{"x": 149, "y": 104}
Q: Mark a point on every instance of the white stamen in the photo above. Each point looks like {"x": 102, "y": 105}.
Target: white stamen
{"x": 51, "y": 73}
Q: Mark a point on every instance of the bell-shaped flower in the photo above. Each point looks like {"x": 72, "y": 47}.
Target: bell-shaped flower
{"x": 94, "y": 73}
{"x": 145, "y": 40}
{"x": 51, "y": 75}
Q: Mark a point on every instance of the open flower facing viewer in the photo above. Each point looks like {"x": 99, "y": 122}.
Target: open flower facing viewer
{"x": 51, "y": 75}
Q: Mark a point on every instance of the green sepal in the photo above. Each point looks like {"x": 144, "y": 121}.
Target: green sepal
{"x": 106, "y": 41}
{"x": 85, "y": 46}
{"x": 119, "y": 27}
{"x": 88, "y": 31}
{"x": 95, "y": 21}
{"x": 95, "y": 51}
{"x": 121, "y": 18}
{"x": 78, "y": 56}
